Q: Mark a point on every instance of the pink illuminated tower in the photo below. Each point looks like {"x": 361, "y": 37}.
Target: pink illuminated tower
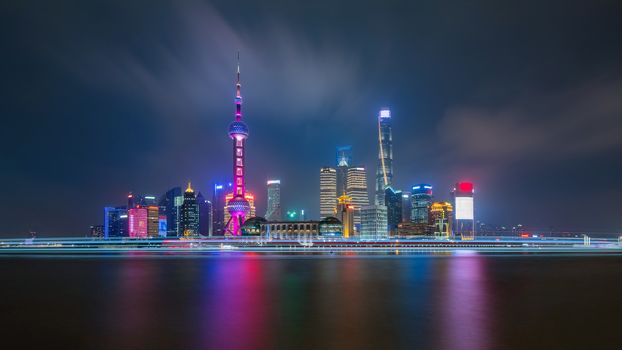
{"x": 238, "y": 206}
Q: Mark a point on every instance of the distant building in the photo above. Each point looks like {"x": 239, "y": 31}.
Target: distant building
{"x": 205, "y": 215}
{"x": 273, "y": 211}
{"x": 162, "y": 226}
{"x": 331, "y": 227}
{"x": 170, "y": 204}
{"x": 393, "y": 202}
{"x": 406, "y": 206}
{"x": 218, "y": 210}
{"x": 344, "y": 161}
{"x": 345, "y": 213}
{"x": 292, "y": 229}
{"x": 384, "y": 172}
{"x": 115, "y": 222}
{"x": 153, "y": 221}
{"x": 137, "y": 222}
{"x": 464, "y": 224}
{"x": 356, "y": 189}
{"x": 406, "y": 229}
{"x": 441, "y": 218}
{"x": 374, "y": 222}
{"x": 148, "y": 200}
{"x": 97, "y": 231}
{"x": 189, "y": 221}
{"x": 421, "y": 200}
{"x": 328, "y": 192}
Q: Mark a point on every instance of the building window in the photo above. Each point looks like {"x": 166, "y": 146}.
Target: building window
{"x": 238, "y": 152}
{"x": 238, "y": 171}
{"x": 238, "y": 143}
{"x": 239, "y": 181}
{"x": 238, "y": 162}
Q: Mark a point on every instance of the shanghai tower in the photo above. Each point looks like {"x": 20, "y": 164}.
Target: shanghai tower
{"x": 384, "y": 172}
{"x": 238, "y": 206}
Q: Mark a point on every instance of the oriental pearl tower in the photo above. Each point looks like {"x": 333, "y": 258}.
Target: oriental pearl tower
{"x": 238, "y": 206}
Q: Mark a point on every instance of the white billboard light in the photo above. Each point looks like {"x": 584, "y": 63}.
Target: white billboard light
{"x": 464, "y": 208}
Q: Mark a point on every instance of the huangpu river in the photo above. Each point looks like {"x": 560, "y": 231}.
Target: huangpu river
{"x": 349, "y": 301}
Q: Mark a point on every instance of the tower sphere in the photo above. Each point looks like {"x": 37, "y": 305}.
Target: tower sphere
{"x": 238, "y": 130}
{"x": 238, "y": 205}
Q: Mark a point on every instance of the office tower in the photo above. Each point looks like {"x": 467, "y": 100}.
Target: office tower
{"x": 170, "y": 204}
{"x": 384, "y": 172}
{"x": 205, "y": 215}
{"x": 374, "y": 222}
{"x": 328, "y": 192}
{"x": 250, "y": 198}
{"x": 133, "y": 200}
{"x": 393, "y": 200}
{"x": 137, "y": 222}
{"x": 273, "y": 213}
{"x": 147, "y": 200}
{"x": 440, "y": 219}
{"x": 153, "y": 221}
{"x": 406, "y": 206}
{"x": 115, "y": 222}
{"x": 421, "y": 200}
{"x": 464, "y": 225}
{"x": 344, "y": 160}
{"x": 218, "y": 210}
{"x": 345, "y": 213}
{"x": 162, "y": 226}
{"x": 97, "y": 231}
{"x": 189, "y": 218}
{"x": 357, "y": 191}
{"x": 238, "y": 207}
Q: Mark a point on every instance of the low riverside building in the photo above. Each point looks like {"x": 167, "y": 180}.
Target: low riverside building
{"x": 306, "y": 229}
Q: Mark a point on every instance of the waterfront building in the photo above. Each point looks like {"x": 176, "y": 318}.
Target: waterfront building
{"x": 357, "y": 191}
{"x": 291, "y": 229}
{"x": 162, "y": 231}
{"x": 421, "y": 200}
{"x": 393, "y": 202}
{"x": 345, "y": 213}
{"x": 384, "y": 171}
{"x": 406, "y": 206}
{"x": 97, "y": 231}
{"x": 115, "y": 222}
{"x": 238, "y": 206}
{"x": 273, "y": 211}
{"x": 464, "y": 224}
{"x": 328, "y": 192}
{"x": 374, "y": 222}
{"x": 205, "y": 216}
{"x": 218, "y": 210}
{"x": 137, "y": 222}
{"x": 406, "y": 229}
{"x": 153, "y": 220}
{"x": 344, "y": 161}
{"x": 441, "y": 219}
{"x": 170, "y": 204}
{"x": 331, "y": 227}
{"x": 189, "y": 221}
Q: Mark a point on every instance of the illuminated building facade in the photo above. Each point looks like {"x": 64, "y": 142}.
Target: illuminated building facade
{"x": 205, "y": 215}
{"x": 345, "y": 213}
{"x": 218, "y": 210}
{"x": 421, "y": 200}
{"x": 384, "y": 172}
{"x": 162, "y": 230}
{"x": 273, "y": 213}
{"x": 331, "y": 227}
{"x": 344, "y": 160}
{"x": 115, "y": 222}
{"x": 238, "y": 206}
{"x": 291, "y": 229}
{"x": 189, "y": 220}
{"x": 328, "y": 191}
{"x": 406, "y": 206}
{"x": 357, "y": 191}
{"x": 170, "y": 204}
{"x": 464, "y": 223}
{"x": 137, "y": 222}
{"x": 440, "y": 219}
{"x": 374, "y": 222}
{"x": 153, "y": 221}
{"x": 97, "y": 231}
{"x": 393, "y": 203}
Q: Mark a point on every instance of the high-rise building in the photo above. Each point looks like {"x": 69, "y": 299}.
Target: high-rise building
{"x": 189, "y": 218}
{"x": 218, "y": 210}
{"x": 374, "y": 222}
{"x": 137, "y": 222}
{"x": 328, "y": 192}
{"x": 421, "y": 200}
{"x": 148, "y": 200}
{"x": 345, "y": 213}
{"x": 344, "y": 161}
{"x": 115, "y": 222}
{"x": 393, "y": 202}
{"x": 464, "y": 224}
{"x": 205, "y": 215}
{"x": 238, "y": 207}
{"x": 273, "y": 211}
{"x": 162, "y": 230}
{"x": 170, "y": 204}
{"x": 406, "y": 206}
{"x": 357, "y": 191}
{"x": 384, "y": 172}
{"x": 153, "y": 221}
{"x": 441, "y": 218}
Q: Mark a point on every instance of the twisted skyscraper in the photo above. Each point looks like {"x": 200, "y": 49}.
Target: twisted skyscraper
{"x": 384, "y": 172}
{"x": 238, "y": 206}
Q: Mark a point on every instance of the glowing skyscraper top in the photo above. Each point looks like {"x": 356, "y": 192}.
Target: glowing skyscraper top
{"x": 238, "y": 206}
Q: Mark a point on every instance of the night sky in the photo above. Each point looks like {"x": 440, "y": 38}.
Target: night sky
{"x": 99, "y": 98}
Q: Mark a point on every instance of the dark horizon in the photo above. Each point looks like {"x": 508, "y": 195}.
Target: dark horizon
{"x": 521, "y": 98}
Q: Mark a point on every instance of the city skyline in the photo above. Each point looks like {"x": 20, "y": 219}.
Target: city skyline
{"x": 482, "y": 106}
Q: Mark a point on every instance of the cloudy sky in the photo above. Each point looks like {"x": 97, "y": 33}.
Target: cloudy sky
{"x": 99, "y": 98}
